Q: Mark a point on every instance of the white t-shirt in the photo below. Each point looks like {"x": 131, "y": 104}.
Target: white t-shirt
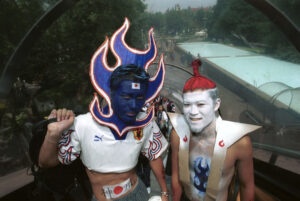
{"x": 100, "y": 151}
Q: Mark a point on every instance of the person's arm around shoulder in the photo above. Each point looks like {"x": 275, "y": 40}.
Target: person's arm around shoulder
{"x": 48, "y": 156}
{"x": 175, "y": 183}
{"x": 245, "y": 169}
{"x": 159, "y": 172}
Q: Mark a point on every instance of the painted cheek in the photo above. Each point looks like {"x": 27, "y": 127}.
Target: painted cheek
{"x": 122, "y": 103}
{"x": 140, "y": 104}
{"x": 186, "y": 110}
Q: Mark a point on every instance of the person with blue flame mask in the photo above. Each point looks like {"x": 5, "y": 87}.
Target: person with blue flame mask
{"x": 110, "y": 137}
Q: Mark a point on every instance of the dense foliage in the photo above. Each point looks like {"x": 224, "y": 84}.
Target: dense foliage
{"x": 60, "y": 58}
{"x": 237, "y": 22}
{"x": 232, "y": 22}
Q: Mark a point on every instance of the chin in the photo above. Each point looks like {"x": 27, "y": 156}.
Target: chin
{"x": 128, "y": 120}
{"x": 195, "y": 128}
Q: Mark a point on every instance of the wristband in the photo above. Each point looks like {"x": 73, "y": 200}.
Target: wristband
{"x": 165, "y": 194}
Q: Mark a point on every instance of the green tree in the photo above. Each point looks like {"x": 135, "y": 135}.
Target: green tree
{"x": 16, "y": 18}
{"x": 60, "y": 59}
{"x": 237, "y": 22}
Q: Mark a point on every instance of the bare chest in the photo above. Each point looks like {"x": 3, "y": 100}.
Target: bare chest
{"x": 201, "y": 154}
{"x": 202, "y": 147}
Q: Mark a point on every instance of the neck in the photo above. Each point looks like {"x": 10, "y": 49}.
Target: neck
{"x": 208, "y": 132}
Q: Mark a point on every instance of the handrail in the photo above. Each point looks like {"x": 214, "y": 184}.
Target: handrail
{"x": 14, "y": 181}
{"x": 278, "y": 150}
{"x": 278, "y": 182}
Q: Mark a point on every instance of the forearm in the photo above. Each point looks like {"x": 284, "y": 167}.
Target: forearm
{"x": 159, "y": 172}
{"x": 175, "y": 183}
{"x": 49, "y": 151}
{"x": 48, "y": 156}
{"x": 176, "y": 188}
{"x": 247, "y": 193}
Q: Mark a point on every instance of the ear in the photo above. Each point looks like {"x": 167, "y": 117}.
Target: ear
{"x": 217, "y": 104}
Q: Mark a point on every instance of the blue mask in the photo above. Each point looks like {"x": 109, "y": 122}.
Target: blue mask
{"x": 128, "y": 100}
{"x": 113, "y": 114}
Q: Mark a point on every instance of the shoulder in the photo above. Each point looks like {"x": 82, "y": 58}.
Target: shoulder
{"x": 179, "y": 124}
{"x": 244, "y": 143}
{"x": 86, "y": 116}
{"x": 151, "y": 126}
{"x": 85, "y": 121}
{"x": 175, "y": 140}
{"x": 242, "y": 147}
{"x": 233, "y": 133}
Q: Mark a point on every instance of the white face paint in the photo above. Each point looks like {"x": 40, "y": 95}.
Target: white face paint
{"x": 199, "y": 109}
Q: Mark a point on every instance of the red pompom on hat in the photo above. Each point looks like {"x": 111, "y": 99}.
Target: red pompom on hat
{"x": 198, "y": 81}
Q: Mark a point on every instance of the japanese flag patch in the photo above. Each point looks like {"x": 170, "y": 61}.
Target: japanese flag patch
{"x": 135, "y": 85}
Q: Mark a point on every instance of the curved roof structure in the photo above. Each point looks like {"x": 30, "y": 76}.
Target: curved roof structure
{"x": 290, "y": 99}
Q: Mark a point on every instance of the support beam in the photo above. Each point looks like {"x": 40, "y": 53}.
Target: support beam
{"x": 23, "y": 48}
{"x": 281, "y": 20}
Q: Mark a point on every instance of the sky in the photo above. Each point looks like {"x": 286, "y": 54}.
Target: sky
{"x": 163, "y": 5}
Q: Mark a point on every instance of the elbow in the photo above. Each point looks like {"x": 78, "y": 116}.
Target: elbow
{"x": 43, "y": 164}
{"x": 48, "y": 163}
{"x": 41, "y": 160}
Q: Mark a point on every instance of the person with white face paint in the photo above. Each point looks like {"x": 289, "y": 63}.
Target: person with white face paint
{"x": 206, "y": 150}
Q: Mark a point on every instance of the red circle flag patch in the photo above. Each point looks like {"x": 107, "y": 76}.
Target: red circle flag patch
{"x": 118, "y": 190}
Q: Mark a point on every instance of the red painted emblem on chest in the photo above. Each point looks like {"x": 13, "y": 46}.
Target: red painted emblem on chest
{"x": 221, "y": 143}
{"x": 185, "y": 139}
